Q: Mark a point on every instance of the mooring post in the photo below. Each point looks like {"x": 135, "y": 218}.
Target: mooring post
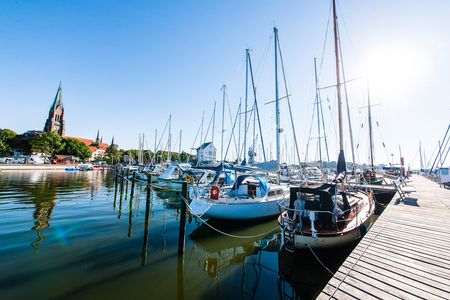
{"x": 115, "y": 185}
{"x": 149, "y": 186}
{"x": 182, "y": 234}
{"x": 132, "y": 184}
{"x": 147, "y": 217}
{"x": 121, "y": 182}
{"x": 126, "y": 178}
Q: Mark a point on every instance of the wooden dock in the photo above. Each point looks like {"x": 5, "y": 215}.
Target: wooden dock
{"x": 406, "y": 253}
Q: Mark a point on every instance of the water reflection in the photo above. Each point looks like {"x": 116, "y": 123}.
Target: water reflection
{"x": 42, "y": 189}
{"x": 118, "y": 241}
{"x": 232, "y": 254}
{"x": 303, "y": 273}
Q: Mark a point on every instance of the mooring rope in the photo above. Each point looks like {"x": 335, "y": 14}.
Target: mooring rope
{"x": 222, "y": 232}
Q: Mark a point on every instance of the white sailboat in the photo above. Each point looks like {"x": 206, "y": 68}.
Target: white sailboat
{"x": 251, "y": 197}
{"x": 328, "y": 215}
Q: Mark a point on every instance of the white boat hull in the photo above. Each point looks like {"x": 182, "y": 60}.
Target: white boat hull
{"x": 235, "y": 211}
{"x": 169, "y": 185}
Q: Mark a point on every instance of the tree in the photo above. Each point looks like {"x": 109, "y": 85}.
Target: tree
{"x": 184, "y": 156}
{"x": 6, "y": 136}
{"x": 48, "y": 143}
{"x": 76, "y": 148}
{"x": 113, "y": 154}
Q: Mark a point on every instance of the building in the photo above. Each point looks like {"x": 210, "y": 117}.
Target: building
{"x": 97, "y": 148}
{"x": 55, "y": 120}
{"x": 206, "y": 153}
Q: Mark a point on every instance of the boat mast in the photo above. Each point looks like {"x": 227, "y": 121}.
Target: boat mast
{"x": 277, "y": 104}
{"x": 201, "y": 129}
{"x": 370, "y": 127}
{"x": 179, "y": 148}
{"x": 255, "y": 107}
{"x": 420, "y": 153}
{"x": 170, "y": 136}
{"x": 156, "y": 138}
{"x": 224, "y": 88}
{"x": 214, "y": 122}
{"x": 246, "y": 107}
{"x": 341, "y": 167}
{"x": 238, "y": 154}
{"x": 318, "y": 113}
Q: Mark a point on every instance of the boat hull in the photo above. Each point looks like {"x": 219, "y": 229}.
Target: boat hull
{"x": 331, "y": 241}
{"x": 168, "y": 185}
{"x": 234, "y": 211}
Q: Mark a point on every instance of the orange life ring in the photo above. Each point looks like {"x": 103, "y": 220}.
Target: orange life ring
{"x": 214, "y": 192}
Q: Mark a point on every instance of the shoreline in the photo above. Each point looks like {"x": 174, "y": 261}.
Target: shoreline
{"x": 50, "y": 167}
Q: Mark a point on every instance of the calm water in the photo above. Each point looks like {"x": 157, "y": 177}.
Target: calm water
{"x": 66, "y": 235}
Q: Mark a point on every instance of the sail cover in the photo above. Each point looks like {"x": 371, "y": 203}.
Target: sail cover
{"x": 341, "y": 168}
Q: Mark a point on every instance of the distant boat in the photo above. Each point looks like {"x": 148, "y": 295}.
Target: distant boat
{"x": 85, "y": 167}
{"x": 71, "y": 169}
{"x": 250, "y": 198}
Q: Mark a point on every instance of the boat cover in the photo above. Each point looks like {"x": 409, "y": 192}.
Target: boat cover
{"x": 262, "y": 180}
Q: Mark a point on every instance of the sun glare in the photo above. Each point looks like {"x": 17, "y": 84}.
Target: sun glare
{"x": 394, "y": 71}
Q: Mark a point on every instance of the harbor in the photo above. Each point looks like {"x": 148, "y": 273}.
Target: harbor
{"x": 224, "y": 150}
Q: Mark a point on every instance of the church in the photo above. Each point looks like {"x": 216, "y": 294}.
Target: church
{"x": 55, "y": 123}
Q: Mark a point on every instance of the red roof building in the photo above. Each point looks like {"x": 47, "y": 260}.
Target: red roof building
{"x": 96, "y": 151}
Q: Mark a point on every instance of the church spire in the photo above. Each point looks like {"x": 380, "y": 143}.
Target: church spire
{"x": 112, "y": 141}
{"x": 55, "y": 120}
{"x": 97, "y": 139}
{"x": 58, "y": 98}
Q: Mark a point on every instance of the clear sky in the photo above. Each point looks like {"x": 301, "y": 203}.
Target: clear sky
{"x": 126, "y": 65}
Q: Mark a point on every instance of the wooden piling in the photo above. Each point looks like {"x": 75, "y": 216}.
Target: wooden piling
{"x": 126, "y": 178}
{"x": 182, "y": 233}
{"x": 132, "y": 184}
{"x": 146, "y": 223}
{"x": 121, "y": 182}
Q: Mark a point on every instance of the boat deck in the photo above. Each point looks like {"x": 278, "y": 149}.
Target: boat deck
{"x": 406, "y": 253}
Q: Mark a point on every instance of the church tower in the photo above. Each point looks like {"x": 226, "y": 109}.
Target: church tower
{"x": 55, "y": 120}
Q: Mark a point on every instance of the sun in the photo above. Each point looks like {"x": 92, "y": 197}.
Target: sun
{"x": 394, "y": 70}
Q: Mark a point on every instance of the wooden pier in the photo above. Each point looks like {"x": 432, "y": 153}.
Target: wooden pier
{"x": 406, "y": 253}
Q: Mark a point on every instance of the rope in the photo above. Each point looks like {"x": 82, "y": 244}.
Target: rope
{"x": 222, "y": 232}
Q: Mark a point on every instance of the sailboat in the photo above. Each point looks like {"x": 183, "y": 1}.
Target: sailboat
{"x": 251, "y": 197}
{"x": 328, "y": 215}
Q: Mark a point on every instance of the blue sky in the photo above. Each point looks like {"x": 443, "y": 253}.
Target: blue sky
{"x": 126, "y": 65}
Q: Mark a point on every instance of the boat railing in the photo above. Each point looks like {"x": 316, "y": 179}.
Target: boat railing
{"x": 337, "y": 220}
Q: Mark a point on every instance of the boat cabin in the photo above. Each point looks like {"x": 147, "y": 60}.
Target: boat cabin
{"x": 250, "y": 186}
{"x": 322, "y": 201}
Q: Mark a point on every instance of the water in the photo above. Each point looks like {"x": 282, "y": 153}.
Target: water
{"x": 66, "y": 235}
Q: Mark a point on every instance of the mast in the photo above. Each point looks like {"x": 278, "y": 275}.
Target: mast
{"x": 246, "y": 107}
{"x": 156, "y": 138}
{"x": 277, "y": 104}
{"x": 420, "y": 154}
{"x": 201, "y": 130}
{"x": 170, "y": 136}
{"x": 255, "y": 106}
{"x": 224, "y": 88}
{"x": 370, "y": 128}
{"x": 238, "y": 154}
{"x": 214, "y": 122}
{"x": 341, "y": 167}
{"x": 318, "y": 112}
{"x": 179, "y": 147}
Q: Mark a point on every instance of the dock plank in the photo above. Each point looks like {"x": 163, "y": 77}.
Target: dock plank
{"x": 405, "y": 253}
